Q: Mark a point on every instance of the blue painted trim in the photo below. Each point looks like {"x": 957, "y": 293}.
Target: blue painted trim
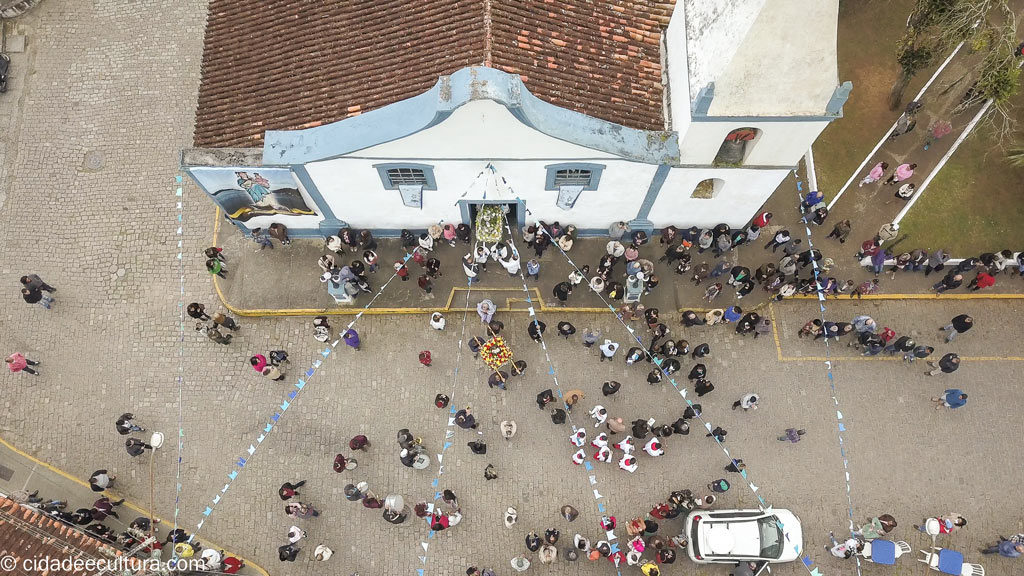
{"x": 748, "y": 119}
{"x": 428, "y": 173}
{"x": 407, "y": 117}
{"x": 702, "y": 103}
{"x": 331, "y": 223}
{"x": 839, "y": 98}
{"x": 520, "y": 209}
{"x": 595, "y": 174}
{"x": 652, "y": 192}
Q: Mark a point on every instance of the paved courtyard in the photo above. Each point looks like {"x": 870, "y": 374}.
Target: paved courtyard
{"x": 99, "y": 106}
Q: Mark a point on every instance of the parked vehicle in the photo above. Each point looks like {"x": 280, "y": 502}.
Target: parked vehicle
{"x": 5, "y": 64}
{"x": 731, "y": 536}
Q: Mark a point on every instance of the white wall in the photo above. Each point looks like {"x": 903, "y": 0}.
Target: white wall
{"x": 677, "y": 69}
{"x": 779, "y": 144}
{"x": 743, "y": 192}
{"x": 481, "y": 129}
{"x": 714, "y": 30}
{"x": 355, "y": 193}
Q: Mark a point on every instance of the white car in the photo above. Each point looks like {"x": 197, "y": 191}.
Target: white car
{"x": 732, "y": 536}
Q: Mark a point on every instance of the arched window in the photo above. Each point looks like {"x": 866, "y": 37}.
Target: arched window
{"x": 707, "y": 189}
{"x": 737, "y": 146}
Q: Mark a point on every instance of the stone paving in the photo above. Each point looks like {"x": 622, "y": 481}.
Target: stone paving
{"x": 121, "y": 79}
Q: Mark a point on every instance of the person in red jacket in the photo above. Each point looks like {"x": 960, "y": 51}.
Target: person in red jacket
{"x": 18, "y": 363}
{"x": 982, "y": 280}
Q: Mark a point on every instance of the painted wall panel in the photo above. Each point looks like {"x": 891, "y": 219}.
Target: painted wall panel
{"x": 258, "y": 197}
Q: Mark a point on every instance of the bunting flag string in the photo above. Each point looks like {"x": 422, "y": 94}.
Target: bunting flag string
{"x": 683, "y": 393}
{"x": 180, "y": 440}
{"x": 280, "y": 410}
{"x": 840, "y": 426}
{"x": 449, "y": 431}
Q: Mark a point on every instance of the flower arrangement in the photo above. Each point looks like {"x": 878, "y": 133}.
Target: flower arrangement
{"x": 495, "y": 352}
{"x": 490, "y": 223}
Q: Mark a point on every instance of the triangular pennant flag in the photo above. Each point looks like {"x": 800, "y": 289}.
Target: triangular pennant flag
{"x": 593, "y": 479}
{"x": 448, "y": 434}
{"x": 807, "y": 561}
{"x": 198, "y": 527}
{"x": 551, "y": 369}
{"x": 177, "y": 179}
{"x": 178, "y": 231}
{"x": 600, "y": 507}
{"x": 440, "y": 457}
{"x": 225, "y": 488}
{"x": 708, "y": 426}
{"x": 440, "y": 470}
{"x": 326, "y": 352}
{"x": 424, "y": 545}
{"x": 839, "y": 415}
{"x": 841, "y": 427}
{"x": 419, "y": 572}
{"x": 275, "y": 417}
{"x": 423, "y": 560}
{"x": 588, "y": 465}
{"x": 216, "y": 499}
{"x": 610, "y": 535}
{"x": 300, "y": 384}
{"x": 437, "y": 495}
{"x": 815, "y": 572}
{"x": 268, "y": 427}
{"x": 614, "y": 547}
{"x": 597, "y": 495}
{"x": 434, "y": 483}
{"x": 208, "y": 511}
{"x": 451, "y": 421}
{"x": 233, "y": 474}
{"x": 309, "y": 373}
{"x": 743, "y": 473}
{"x": 251, "y": 449}
{"x": 446, "y": 446}
{"x": 285, "y": 405}
{"x": 293, "y": 394}
{"x": 260, "y": 438}
{"x": 317, "y": 363}
{"x": 753, "y": 487}
{"x": 179, "y": 255}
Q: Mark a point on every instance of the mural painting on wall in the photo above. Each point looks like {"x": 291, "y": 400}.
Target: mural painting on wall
{"x": 247, "y": 193}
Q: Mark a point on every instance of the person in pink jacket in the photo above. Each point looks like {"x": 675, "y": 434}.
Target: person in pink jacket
{"x": 902, "y": 172}
{"x": 876, "y": 174}
{"x": 18, "y": 363}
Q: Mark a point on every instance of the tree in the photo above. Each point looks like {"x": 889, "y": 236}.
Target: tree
{"x": 936, "y": 26}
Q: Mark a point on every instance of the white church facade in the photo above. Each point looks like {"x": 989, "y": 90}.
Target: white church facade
{"x": 744, "y": 95}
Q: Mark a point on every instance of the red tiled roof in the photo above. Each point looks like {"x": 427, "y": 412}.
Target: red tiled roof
{"x": 288, "y": 64}
{"x": 26, "y": 533}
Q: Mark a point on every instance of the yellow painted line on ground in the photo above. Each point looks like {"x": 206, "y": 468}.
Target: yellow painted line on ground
{"x": 775, "y": 332}
{"x": 929, "y": 296}
{"x": 894, "y": 358}
{"x": 127, "y": 503}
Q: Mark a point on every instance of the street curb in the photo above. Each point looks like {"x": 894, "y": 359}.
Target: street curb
{"x": 127, "y": 503}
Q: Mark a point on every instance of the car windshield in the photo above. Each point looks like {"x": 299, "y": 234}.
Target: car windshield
{"x": 771, "y": 537}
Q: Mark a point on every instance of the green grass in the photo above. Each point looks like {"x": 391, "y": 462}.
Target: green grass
{"x": 975, "y": 204}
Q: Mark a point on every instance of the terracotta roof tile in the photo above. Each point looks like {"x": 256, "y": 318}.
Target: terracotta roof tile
{"x": 285, "y": 64}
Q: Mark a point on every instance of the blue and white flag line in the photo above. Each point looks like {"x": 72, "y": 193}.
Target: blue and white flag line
{"x": 840, "y": 421}
{"x": 449, "y": 433}
{"x": 274, "y": 419}
{"x": 763, "y": 504}
{"x": 179, "y": 227}
{"x": 591, "y": 473}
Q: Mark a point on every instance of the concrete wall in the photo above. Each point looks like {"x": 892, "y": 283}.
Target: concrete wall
{"x": 714, "y": 30}
{"x": 779, "y": 144}
{"x": 743, "y": 193}
{"x": 674, "y": 43}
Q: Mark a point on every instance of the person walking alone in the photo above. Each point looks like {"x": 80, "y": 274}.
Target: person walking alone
{"x": 17, "y": 362}
{"x": 947, "y": 364}
{"x": 958, "y": 325}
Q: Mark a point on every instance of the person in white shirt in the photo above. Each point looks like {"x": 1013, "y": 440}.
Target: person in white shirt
{"x": 653, "y": 447}
{"x": 628, "y": 463}
{"x": 437, "y": 321}
{"x": 511, "y": 264}
{"x": 426, "y": 242}
{"x": 748, "y": 402}
{"x": 608, "y": 350}
{"x": 295, "y": 534}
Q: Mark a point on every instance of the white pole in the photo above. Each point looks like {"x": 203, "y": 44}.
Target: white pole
{"x": 812, "y": 177}
{"x": 963, "y": 136}
{"x": 893, "y": 127}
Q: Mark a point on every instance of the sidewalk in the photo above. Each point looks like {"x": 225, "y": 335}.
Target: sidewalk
{"x": 294, "y": 287}
{"x": 21, "y": 471}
